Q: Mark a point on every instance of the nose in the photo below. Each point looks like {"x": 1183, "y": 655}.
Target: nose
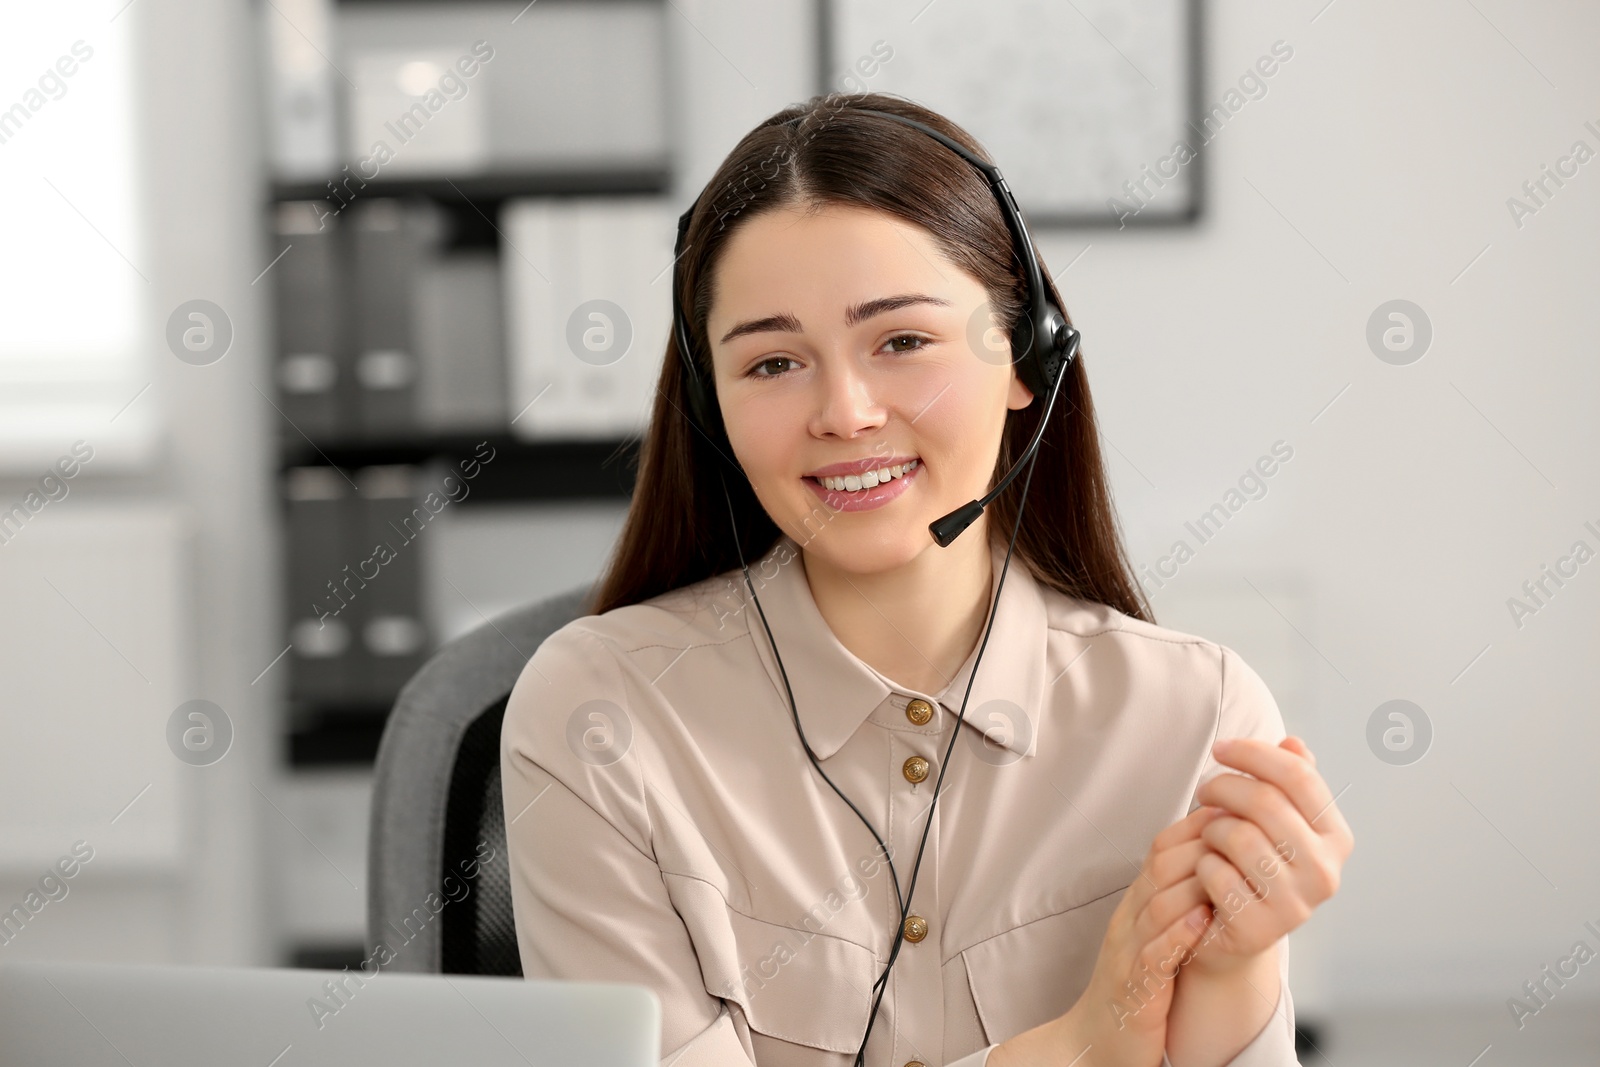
{"x": 846, "y": 401}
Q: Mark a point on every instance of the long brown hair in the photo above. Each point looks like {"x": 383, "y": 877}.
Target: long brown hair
{"x": 677, "y": 529}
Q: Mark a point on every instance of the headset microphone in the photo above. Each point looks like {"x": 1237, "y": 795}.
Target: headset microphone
{"x": 949, "y": 527}
{"x": 1043, "y": 345}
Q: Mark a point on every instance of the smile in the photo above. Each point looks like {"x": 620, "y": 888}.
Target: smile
{"x": 866, "y": 491}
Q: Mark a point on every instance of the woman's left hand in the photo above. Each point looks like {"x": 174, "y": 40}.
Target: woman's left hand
{"x": 1282, "y": 829}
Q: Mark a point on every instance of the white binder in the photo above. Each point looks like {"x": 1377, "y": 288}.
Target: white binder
{"x": 589, "y": 307}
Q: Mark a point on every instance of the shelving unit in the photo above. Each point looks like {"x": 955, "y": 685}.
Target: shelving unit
{"x": 331, "y": 741}
{"x": 528, "y": 471}
{"x": 485, "y": 190}
{"x": 345, "y": 733}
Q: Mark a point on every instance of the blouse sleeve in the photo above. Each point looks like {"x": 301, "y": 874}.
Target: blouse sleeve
{"x": 587, "y": 894}
{"x": 1247, "y": 709}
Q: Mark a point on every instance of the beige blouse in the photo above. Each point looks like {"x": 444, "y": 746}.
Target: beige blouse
{"x": 665, "y": 827}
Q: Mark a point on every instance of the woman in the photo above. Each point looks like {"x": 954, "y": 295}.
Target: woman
{"x": 737, "y": 808}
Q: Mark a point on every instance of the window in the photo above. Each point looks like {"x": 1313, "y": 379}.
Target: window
{"x": 75, "y": 284}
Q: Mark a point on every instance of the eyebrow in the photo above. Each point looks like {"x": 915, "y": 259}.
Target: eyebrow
{"x": 788, "y": 323}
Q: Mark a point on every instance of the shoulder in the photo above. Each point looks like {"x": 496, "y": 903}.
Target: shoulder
{"x": 619, "y": 656}
{"x": 1073, "y": 619}
{"x": 1157, "y": 658}
{"x": 590, "y": 707}
{"x": 708, "y": 611}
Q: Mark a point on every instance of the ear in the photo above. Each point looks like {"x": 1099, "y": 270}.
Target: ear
{"x": 1018, "y": 396}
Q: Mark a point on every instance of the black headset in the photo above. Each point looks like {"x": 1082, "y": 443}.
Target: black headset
{"x": 1043, "y": 345}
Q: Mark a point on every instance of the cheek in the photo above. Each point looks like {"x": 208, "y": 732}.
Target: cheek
{"x": 959, "y": 432}
{"x": 766, "y": 433}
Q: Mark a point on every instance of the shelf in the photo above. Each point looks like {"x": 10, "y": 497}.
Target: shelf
{"x": 330, "y": 957}
{"x": 346, "y": 737}
{"x": 486, "y": 188}
{"x": 520, "y": 470}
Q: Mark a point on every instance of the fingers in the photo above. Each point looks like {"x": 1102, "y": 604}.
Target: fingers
{"x": 1173, "y": 865}
{"x": 1168, "y": 906}
{"x": 1174, "y": 945}
{"x": 1222, "y": 857}
{"x": 1251, "y": 860}
{"x": 1172, "y": 855}
{"x": 1262, "y": 804}
{"x": 1134, "y": 978}
{"x": 1185, "y": 829}
{"x": 1247, "y": 916}
{"x": 1291, "y": 773}
{"x": 1299, "y": 747}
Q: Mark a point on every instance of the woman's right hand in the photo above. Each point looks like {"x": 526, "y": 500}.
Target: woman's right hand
{"x": 1158, "y": 922}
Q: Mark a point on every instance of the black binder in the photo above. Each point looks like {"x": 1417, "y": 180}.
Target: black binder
{"x": 322, "y": 618}
{"x": 394, "y": 520}
{"x": 391, "y": 239}
{"x": 312, "y": 372}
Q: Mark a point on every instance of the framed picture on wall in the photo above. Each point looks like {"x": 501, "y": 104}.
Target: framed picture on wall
{"x": 1089, "y": 107}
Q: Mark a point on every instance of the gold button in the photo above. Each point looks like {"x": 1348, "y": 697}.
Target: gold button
{"x": 916, "y": 928}
{"x": 919, "y": 711}
{"x": 915, "y": 1063}
{"x": 915, "y": 769}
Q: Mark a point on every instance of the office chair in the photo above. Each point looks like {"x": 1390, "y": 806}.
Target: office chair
{"x": 436, "y": 795}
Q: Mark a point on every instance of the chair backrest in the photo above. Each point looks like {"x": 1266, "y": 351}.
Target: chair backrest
{"x": 436, "y": 797}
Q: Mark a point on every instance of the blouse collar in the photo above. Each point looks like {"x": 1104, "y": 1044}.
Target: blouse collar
{"x": 835, "y": 691}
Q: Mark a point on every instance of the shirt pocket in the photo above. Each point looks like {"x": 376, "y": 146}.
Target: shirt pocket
{"x": 793, "y": 985}
{"x": 1035, "y": 971}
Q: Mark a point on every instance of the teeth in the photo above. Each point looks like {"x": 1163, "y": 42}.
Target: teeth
{"x": 851, "y": 483}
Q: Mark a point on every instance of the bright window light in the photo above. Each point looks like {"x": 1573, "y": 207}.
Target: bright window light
{"x": 74, "y": 280}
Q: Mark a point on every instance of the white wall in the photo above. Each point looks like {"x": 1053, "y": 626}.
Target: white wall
{"x": 1414, "y": 506}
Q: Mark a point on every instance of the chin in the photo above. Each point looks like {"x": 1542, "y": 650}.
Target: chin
{"x": 866, "y": 550}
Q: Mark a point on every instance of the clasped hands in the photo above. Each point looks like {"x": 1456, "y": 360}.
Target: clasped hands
{"x": 1189, "y": 960}
{"x": 1261, "y": 854}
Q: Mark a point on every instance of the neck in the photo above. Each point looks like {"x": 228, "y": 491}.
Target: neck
{"x": 915, "y": 624}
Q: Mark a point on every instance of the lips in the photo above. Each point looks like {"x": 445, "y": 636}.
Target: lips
{"x": 858, "y": 466}
{"x": 871, "y": 499}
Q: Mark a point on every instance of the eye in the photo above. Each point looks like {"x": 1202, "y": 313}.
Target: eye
{"x": 755, "y": 371}
{"x": 921, "y": 342}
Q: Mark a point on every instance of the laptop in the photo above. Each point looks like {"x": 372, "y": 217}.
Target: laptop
{"x": 88, "y": 1015}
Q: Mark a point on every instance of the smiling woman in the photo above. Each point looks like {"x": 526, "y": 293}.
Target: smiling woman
{"x": 840, "y": 379}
